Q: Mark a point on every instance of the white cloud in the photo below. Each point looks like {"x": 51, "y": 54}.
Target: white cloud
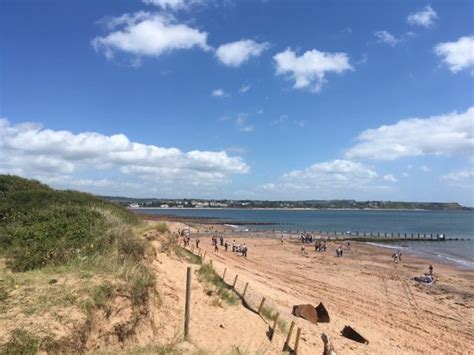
{"x": 29, "y": 150}
{"x": 148, "y": 34}
{"x": 242, "y": 123}
{"x": 386, "y": 37}
{"x": 424, "y": 18}
{"x": 336, "y": 171}
{"x": 300, "y": 123}
{"x": 439, "y": 135}
{"x": 425, "y": 168}
{"x": 173, "y": 5}
{"x": 462, "y": 179}
{"x": 244, "y": 88}
{"x": 457, "y": 55}
{"x": 218, "y": 93}
{"x": 234, "y": 54}
{"x": 308, "y": 70}
{"x": 390, "y": 178}
{"x": 331, "y": 179}
{"x": 460, "y": 176}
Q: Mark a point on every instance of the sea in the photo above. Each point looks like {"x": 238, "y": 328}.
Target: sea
{"x": 452, "y": 224}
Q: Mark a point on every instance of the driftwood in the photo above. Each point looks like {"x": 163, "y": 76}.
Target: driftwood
{"x": 328, "y": 347}
{"x": 322, "y": 313}
{"x": 311, "y": 313}
{"x": 306, "y": 311}
{"x": 352, "y": 334}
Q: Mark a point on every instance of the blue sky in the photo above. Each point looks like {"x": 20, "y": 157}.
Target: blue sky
{"x": 241, "y": 99}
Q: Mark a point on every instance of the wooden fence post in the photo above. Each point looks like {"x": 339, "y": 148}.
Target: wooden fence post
{"x": 275, "y": 321}
{"x": 204, "y": 256}
{"x": 261, "y": 305}
{"x": 288, "y": 337}
{"x": 223, "y": 275}
{"x": 235, "y": 281}
{"x": 297, "y": 341}
{"x": 187, "y": 308}
{"x": 245, "y": 290}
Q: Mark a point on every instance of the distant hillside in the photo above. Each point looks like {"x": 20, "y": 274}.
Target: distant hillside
{"x": 316, "y": 204}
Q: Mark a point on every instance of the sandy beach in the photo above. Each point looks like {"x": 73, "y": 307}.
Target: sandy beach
{"x": 364, "y": 289}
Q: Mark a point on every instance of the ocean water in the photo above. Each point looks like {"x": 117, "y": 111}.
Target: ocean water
{"x": 455, "y": 224}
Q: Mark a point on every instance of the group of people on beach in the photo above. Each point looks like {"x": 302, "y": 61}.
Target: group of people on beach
{"x": 219, "y": 241}
{"x": 239, "y": 248}
{"x": 427, "y": 278}
{"x": 397, "y": 256}
{"x": 320, "y": 246}
{"x": 306, "y": 238}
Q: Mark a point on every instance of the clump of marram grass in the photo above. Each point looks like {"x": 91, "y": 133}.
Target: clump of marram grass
{"x": 21, "y": 342}
{"x": 216, "y": 286}
{"x": 270, "y": 314}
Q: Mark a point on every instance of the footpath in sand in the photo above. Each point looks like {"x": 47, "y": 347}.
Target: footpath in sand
{"x": 364, "y": 289}
{"x": 215, "y": 327}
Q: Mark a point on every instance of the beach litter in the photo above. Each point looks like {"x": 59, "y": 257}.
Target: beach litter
{"x": 322, "y": 313}
{"x": 352, "y": 334}
{"x": 311, "y": 313}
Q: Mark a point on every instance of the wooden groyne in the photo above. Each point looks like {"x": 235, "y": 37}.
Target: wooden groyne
{"x": 330, "y": 235}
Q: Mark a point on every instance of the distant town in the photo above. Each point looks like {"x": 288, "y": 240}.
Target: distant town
{"x": 306, "y": 204}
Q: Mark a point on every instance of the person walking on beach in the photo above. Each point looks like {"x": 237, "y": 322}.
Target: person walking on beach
{"x": 197, "y": 243}
{"x": 431, "y": 270}
{"x": 282, "y": 239}
{"x": 244, "y": 250}
{"x": 302, "y": 249}
{"x": 233, "y": 246}
{"x": 216, "y": 247}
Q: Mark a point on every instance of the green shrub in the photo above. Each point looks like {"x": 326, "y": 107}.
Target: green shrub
{"x": 40, "y": 226}
{"x": 21, "y": 343}
{"x": 102, "y": 293}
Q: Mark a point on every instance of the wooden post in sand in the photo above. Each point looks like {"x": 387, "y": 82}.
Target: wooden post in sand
{"x": 210, "y": 263}
{"x": 245, "y": 290}
{"x": 235, "y": 281}
{"x": 192, "y": 249}
{"x": 261, "y": 305}
{"x": 275, "y": 325}
{"x": 204, "y": 256}
{"x": 187, "y": 308}
{"x": 223, "y": 275}
{"x": 288, "y": 337}
{"x": 297, "y": 341}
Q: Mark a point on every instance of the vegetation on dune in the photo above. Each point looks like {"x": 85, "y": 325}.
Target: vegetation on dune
{"x": 216, "y": 286}
{"x": 41, "y": 226}
{"x": 270, "y": 314}
{"x": 93, "y": 247}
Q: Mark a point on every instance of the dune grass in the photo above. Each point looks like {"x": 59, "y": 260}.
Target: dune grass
{"x": 270, "y": 314}
{"x": 216, "y": 286}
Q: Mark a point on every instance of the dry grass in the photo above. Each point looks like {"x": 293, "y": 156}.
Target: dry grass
{"x": 270, "y": 314}
{"x": 215, "y": 286}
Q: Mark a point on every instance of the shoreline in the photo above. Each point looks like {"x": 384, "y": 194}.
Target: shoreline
{"x": 299, "y": 209}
